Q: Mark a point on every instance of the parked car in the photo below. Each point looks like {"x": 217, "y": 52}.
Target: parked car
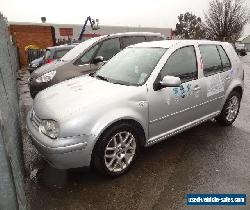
{"x": 143, "y": 95}
{"x": 87, "y": 57}
{"x": 241, "y": 49}
{"x": 33, "y": 65}
{"x": 51, "y": 54}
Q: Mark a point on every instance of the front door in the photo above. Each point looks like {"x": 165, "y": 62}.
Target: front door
{"x": 173, "y": 107}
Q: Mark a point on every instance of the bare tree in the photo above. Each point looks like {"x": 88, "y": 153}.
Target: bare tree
{"x": 226, "y": 19}
{"x": 189, "y": 27}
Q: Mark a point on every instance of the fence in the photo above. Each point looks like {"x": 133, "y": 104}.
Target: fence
{"x": 12, "y": 195}
{"x": 34, "y": 54}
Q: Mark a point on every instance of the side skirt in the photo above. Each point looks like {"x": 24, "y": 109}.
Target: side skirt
{"x": 175, "y": 131}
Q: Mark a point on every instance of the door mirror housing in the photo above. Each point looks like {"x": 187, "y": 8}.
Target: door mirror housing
{"x": 168, "y": 81}
{"x": 97, "y": 60}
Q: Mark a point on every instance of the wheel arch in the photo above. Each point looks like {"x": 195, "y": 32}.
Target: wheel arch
{"x": 238, "y": 89}
{"x": 237, "y": 85}
{"x": 131, "y": 121}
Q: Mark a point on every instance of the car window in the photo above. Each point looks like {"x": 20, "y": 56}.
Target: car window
{"x": 182, "y": 63}
{"x": 86, "y": 58}
{"x": 109, "y": 48}
{"x": 60, "y": 53}
{"x": 131, "y": 66}
{"x": 154, "y": 38}
{"x": 130, "y": 40}
{"x": 224, "y": 59}
{"x": 211, "y": 59}
{"x": 80, "y": 48}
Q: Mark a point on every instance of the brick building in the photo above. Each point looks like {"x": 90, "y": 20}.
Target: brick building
{"x": 45, "y": 35}
{"x": 24, "y": 35}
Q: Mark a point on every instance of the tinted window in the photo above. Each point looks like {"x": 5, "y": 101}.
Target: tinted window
{"x": 211, "y": 59}
{"x": 154, "y": 38}
{"x": 79, "y": 49}
{"x": 182, "y": 63}
{"x": 130, "y": 40}
{"x": 60, "y": 53}
{"x": 109, "y": 48}
{"x": 87, "y": 56}
{"x": 224, "y": 59}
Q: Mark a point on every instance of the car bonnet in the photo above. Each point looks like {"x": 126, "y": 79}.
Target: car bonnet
{"x": 79, "y": 94}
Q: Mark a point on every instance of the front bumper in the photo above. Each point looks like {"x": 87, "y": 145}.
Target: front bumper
{"x": 62, "y": 153}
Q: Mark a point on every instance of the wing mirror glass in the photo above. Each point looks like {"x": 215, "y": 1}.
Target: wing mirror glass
{"x": 168, "y": 81}
{"x": 97, "y": 60}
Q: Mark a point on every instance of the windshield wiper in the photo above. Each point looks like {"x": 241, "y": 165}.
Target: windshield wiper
{"x": 101, "y": 77}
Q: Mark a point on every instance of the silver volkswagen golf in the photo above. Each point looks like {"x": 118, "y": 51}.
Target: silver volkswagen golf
{"x": 145, "y": 94}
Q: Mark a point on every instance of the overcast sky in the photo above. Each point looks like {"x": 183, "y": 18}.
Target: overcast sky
{"x": 151, "y": 13}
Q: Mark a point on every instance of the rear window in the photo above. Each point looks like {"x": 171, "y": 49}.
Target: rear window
{"x": 211, "y": 59}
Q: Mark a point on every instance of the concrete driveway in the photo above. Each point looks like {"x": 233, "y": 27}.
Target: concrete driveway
{"x": 206, "y": 159}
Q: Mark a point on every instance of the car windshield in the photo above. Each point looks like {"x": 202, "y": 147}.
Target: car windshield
{"x": 131, "y": 66}
{"x": 72, "y": 54}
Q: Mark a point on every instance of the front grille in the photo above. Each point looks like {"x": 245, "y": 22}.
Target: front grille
{"x": 35, "y": 119}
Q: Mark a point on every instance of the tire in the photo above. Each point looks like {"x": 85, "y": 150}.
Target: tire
{"x": 113, "y": 158}
{"x": 230, "y": 109}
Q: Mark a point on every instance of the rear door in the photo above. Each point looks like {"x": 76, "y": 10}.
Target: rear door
{"x": 227, "y": 71}
{"x": 216, "y": 71}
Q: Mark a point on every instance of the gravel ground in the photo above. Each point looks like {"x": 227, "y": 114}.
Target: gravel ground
{"x": 32, "y": 159}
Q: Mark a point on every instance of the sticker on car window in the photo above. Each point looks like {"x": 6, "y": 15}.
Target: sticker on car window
{"x": 214, "y": 85}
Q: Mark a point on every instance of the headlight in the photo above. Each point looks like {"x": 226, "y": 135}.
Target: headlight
{"x": 46, "y": 77}
{"x": 50, "y": 128}
{"x": 34, "y": 65}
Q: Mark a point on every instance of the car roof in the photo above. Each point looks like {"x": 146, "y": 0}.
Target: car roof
{"x": 170, "y": 43}
{"x": 136, "y": 34}
{"x": 61, "y": 47}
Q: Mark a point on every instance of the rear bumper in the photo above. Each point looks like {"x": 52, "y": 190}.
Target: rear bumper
{"x": 62, "y": 153}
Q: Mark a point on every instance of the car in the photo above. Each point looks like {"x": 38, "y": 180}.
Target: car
{"x": 51, "y": 54}
{"x": 33, "y": 65}
{"x": 241, "y": 49}
{"x": 145, "y": 94}
{"x": 87, "y": 57}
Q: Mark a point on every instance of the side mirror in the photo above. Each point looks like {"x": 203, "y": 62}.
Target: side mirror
{"x": 97, "y": 60}
{"x": 243, "y": 53}
{"x": 168, "y": 81}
